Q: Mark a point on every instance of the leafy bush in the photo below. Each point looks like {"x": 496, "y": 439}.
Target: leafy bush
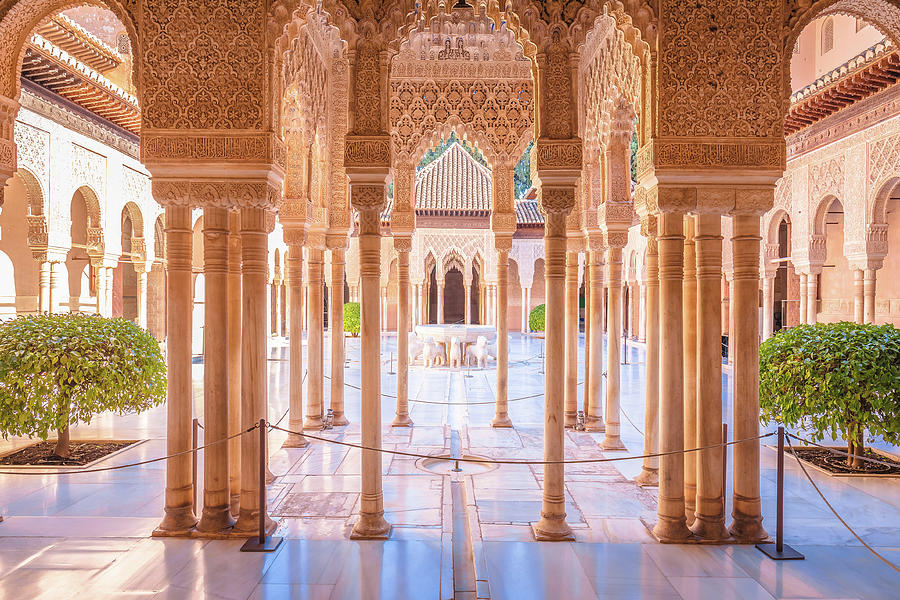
{"x": 834, "y": 377}
{"x": 536, "y": 318}
{"x": 351, "y": 318}
{"x": 61, "y": 369}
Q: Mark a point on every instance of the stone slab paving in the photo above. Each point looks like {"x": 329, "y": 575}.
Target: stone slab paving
{"x": 87, "y": 536}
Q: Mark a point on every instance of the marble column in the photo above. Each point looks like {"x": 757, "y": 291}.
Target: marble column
{"x": 336, "y": 305}
{"x": 294, "y": 239}
{"x": 179, "y": 514}
{"x": 587, "y": 333}
{"x": 709, "y": 523}
{"x": 812, "y": 308}
{"x": 501, "y": 414}
{"x": 571, "y": 331}
{"x": 747, "y": 523}
{"x": 593, "y": 419}
{"x": 142, "y": 296}
{"x": 234, "y": 359}
{"x": 671, "y": 525}
{"x": 689, "y": 341}
{"x": 254, "y": 351}
{"x": 440, "y": 301}
{"x": 731, "y": 319}
{"x": 369, "y": 201}
{"x": 557, "y": 203}
{"x": 869, "y": 296}
{"x": 768, "y": 289}
{"x": 216, "y": 517}
{"x": 642, "y": 313}
{"x": 858, "y": 296}
{"x": 45, "y": 294}
{"x": 468, "y": 300}
{"x": 109, "y": 291}
{"x": 612, "y": 439}
{"x": 305, "y": 295}
{"x": 53, "y": 291}
{"x": 315, "y": 359}
{"x": 101, "y": 289}
{"x": 403, "y": 245}
{"x": 384, "y": 308}
{"x": 804, "y": 303}
{"x": 277, "y": 308}
{"x": 525, "y": 309}
{"x": 649, "y": 474}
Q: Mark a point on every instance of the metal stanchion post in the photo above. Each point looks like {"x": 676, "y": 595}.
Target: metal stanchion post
{"x": 195, "y": 443}
{"x": 779, "y": 550}
{"x": 262, "y": 543}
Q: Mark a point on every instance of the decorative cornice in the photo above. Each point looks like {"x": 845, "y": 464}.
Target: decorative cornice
{"x": 699, "y": 154}
{"x": 367, "y": 151}
{"x": 212, "y": 146}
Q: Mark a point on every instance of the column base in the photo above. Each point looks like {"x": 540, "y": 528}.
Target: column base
{"x": 371, "y": 527}
{"x": 710, "y": 528}
{"x": 502, "y": 421}
{"x": 402, "y": 421}
{"x": 594, "y": 425}
{"x": 340, "y": 419}
{"x": 669, "y": 530}
{"x": 648, "y": 477}
{"x": 216, "y": 520}
{"x": 612, "y": 442}
{"x": 295, "y": 440}
{"x": 571, "y": 419}
{"x": 748, "y": 529}
{"x": 248, "y": 524}
{"x": 235, "y": 506}
{"x": 179, "y": 520}
{"x": 552, "y": 529}
{"x": 313, "y": 423}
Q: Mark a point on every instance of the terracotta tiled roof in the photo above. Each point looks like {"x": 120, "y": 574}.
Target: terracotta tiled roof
{"x": 453, "y": 183}
{"x": 527, "y": 213}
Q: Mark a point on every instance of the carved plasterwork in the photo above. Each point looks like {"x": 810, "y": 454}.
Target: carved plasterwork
{"x": 89, "y": 168}
{"x": 827, "y": 177}
{"x": 33, "y": 150}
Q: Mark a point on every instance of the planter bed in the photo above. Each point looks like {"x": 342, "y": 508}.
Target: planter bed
{"x": 833, "y": 464}
{"x": 82, "y": 454}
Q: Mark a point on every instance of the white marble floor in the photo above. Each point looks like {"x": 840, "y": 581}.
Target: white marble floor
{"x": 87, "y": 536}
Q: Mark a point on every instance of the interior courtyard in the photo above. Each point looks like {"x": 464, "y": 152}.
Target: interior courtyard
{"x": 457, "y": 298}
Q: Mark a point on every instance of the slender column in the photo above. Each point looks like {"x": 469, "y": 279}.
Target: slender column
{"x": 642, "y": 314}
{"x": 109, "y": 291}
{"x": 306, "y": 304}
{"x": 858, "y": 296}
{"x": 812, "y": 309}
{"x": 403, "y": 246}
{"x": 315, "y": 341}
{"x": 501, "y": 414}
{"x": 294, "y": 270}
{"x": 612, "y": 439}
{"x": 747, "y": 524}
{"x": 710, "y": 492}
{"x": 142, "y": 297}
{"x": 731, "y": 320}
{"x": 234, "y": 359}
{"x": 45, "y": 294}
{"x": 650, "y": 467}
{"x": 467, "y": 309}
{"x": 768, "y": 286}
{"x": 53, "y": 284}
{"x": 594, "y": 397}
{"x": 216, "y": 515}
{"x": 588, "y": 374}
{"x": 689, "y": 341}
{"x": 553, "y": 526}
{"x": 384, "y": 308}
{"x": 440, "y": 301}
{"x": 369, "y": 201}
{"x": 869, "y": 293}
{"x": 337, "y": 333}
{"x": 671, "y": 525}
{"x": 571, "y": 338}
{"x": 179, "y": 517}
{"x": 803, "y": 299}
{"x": 276, "y": 301}
{"x": 101, "y": 290}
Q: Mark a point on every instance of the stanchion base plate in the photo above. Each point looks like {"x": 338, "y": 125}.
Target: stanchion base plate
{"x": 270, "y": 544}
{"x": 787, "y": 553}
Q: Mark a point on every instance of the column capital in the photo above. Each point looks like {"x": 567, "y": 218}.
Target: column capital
{"x": 503, "y": 242}
{"x": 294, "y": 236}
{"x": 337, "y": 241}
{"x": 403, "y": 243}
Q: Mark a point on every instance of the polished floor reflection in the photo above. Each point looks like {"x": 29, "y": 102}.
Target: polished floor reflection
{"x": 75, "y": 536}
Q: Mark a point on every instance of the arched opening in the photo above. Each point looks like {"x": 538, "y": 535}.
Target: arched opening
{"x": 454, "y": 296}
{"x": 87, "y": 276}
{"x": 835, "y": 283}
{"x": 475, "y": 297}
{"x": 156, "y": 286}
{"x": 19, "y": 287}
{"x": 126, "y": 293}
{"x": 787, "y": 284}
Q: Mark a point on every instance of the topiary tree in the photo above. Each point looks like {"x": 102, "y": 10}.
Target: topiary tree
{"x": 62, "y": 369}
{"x": 834, "y": 377}
{"x": 536, "y": 317}
{"x": 351, "y": 318}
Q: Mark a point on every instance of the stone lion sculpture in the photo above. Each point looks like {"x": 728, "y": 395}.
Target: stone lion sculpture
{"x": 477, "y": 353}
{"x": 433, "y": 354}
{"x": 455, "y": 353}
{"x": 415, "y": 348}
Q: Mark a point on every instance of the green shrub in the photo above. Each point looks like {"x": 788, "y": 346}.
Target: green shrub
{"x": 536, "y": 318}
{"x": 835, "y": 378}
{"x": 57, "y": 370}
{"x": 351, "y": 318}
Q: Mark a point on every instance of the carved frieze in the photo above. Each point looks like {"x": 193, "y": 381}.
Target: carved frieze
{"x": 260, "y": 147}
{"x": 559, "y": 154}
{"x": 367, "y": 151}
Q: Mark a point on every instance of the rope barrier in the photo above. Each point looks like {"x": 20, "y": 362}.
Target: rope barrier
{"x": 502, "y": 461}
{"x": 137, "y": 464}
{"x": 831, "y": 508}
{"x": 627, "y": 418}
{"x": 840, "y": 452}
